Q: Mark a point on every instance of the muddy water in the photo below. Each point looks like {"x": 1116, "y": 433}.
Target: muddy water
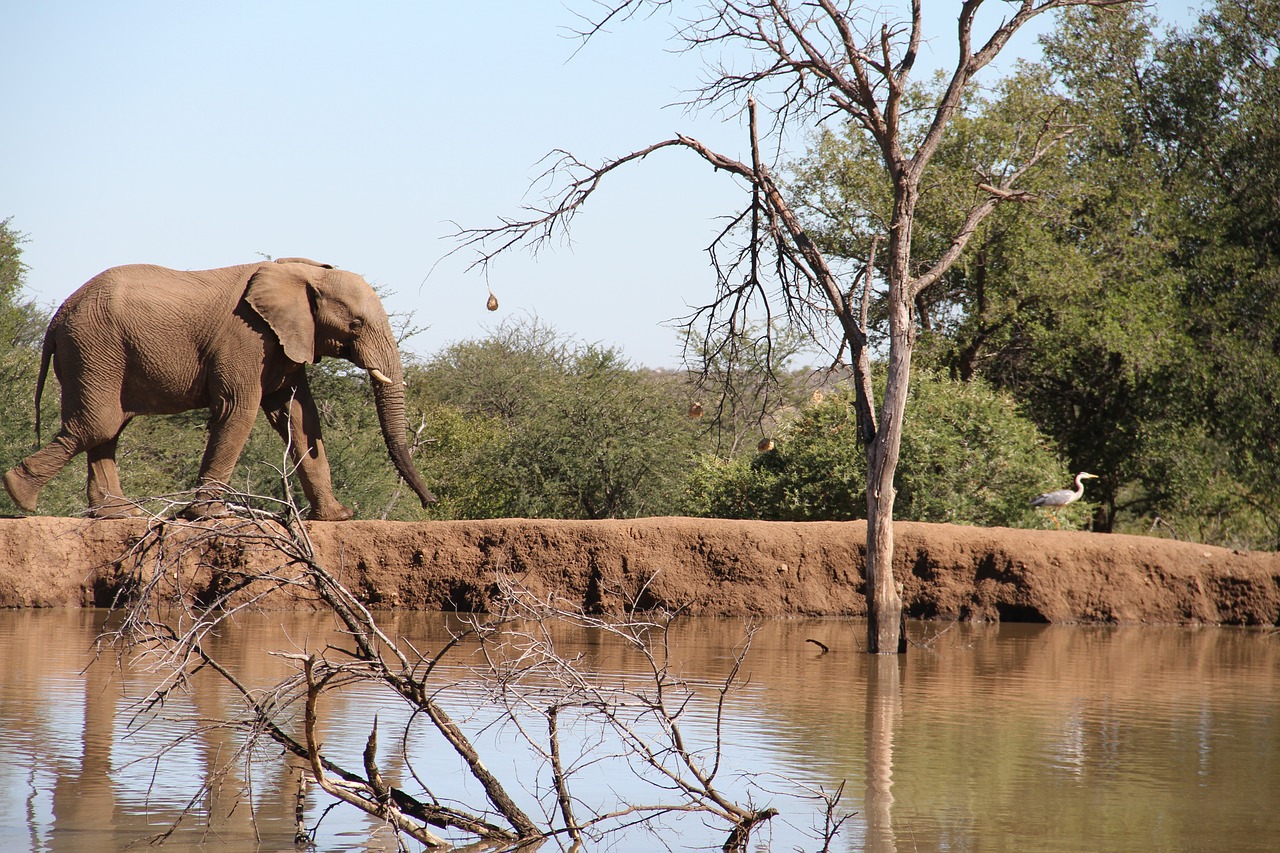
{"x": 984, "y": 738}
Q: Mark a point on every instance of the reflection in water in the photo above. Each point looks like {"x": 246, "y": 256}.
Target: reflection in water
{"x": 884, "y": 703}
{"x": 989, "y": 737}
{"x": 83, "y": 797}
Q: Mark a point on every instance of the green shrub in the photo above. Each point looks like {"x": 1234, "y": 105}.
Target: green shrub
{"x": 968, "y": 457}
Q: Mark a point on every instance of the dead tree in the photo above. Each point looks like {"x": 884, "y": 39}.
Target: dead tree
{"x": 809, "y": 62}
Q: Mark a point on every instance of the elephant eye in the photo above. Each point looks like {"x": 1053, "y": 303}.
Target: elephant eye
{"x": 356, "y": 325}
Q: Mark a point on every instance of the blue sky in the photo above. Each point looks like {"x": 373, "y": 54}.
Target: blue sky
{"x": 207, "y": 134}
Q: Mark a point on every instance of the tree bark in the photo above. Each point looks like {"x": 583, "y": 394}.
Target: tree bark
{"x": 884, "y": 602}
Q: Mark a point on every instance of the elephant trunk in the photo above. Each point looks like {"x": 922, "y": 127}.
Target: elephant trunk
{"x": 388, "y": 397}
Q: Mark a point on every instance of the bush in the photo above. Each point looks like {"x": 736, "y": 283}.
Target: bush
{"x": 570, "y": 430}
{"x": 968, "y": 457}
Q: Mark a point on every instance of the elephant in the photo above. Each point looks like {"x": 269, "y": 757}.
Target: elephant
{"x": 142, "y": 340}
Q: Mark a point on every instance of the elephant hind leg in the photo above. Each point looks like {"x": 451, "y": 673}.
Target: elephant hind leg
{"x": 18, "y": 483}
{"x": 103, "y": 489}
{"x": 292, "y": 413}
{"x": 24, "y": 482}
{"x": 230, "y": 423}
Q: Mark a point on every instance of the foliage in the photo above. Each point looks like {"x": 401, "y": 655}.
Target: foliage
{"x": 968, "y": 457}
{"x": 1214, "y": 100}
{"x": 1168, "y": 386}
{"x": 570, "y": 430}
{"x": 12, "y": 275}
{"x": 974, "y": 458}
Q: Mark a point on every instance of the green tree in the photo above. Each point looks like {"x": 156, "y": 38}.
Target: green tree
{"x": 12, "y": 278}
{"x": 1129, "y": 301}
{"x": 1214, "y": 95}
{"x": 1156, "y": 366}
{"x": 975, "y": 458}
{"x": 1066, "y": 299}
{"x": 455, "y": 459}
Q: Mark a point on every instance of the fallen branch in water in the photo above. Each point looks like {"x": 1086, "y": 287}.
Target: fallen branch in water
{"x": 514, "y": 659}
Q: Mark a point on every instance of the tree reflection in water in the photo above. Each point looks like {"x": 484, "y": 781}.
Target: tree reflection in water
{"x": 884, "y": 707}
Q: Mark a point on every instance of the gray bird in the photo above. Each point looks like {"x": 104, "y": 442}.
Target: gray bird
{"x": 1057, "y": 499}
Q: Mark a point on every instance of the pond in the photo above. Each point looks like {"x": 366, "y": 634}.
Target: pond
{"x": 982, "y": 738}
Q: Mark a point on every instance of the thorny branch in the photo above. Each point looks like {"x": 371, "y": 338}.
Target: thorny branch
{"x": 166, "y": 618}
{"x": 646, "y": 718}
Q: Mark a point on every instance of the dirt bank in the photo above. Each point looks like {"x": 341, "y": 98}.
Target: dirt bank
{"x": 711, "y": 567}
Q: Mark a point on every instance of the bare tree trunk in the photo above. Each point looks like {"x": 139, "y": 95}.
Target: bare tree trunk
{"x": 884, "y": 604}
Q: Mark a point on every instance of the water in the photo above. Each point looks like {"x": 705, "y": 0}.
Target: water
{"x": 983, "y": 738}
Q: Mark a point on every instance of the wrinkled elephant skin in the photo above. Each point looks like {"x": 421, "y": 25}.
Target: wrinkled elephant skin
{"x": 141, "y": 340}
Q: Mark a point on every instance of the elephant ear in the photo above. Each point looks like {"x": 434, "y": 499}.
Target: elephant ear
{"x": 306, "y": 261}
{"x": 282, "y": 297}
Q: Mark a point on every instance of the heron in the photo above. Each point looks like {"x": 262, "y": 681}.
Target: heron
{"x": 1057, "y": 499}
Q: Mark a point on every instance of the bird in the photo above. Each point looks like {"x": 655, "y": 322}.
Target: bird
{"x": 1057, "y": 499}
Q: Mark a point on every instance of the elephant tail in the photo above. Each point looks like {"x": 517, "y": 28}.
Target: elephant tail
{"x": 46, "y": 355}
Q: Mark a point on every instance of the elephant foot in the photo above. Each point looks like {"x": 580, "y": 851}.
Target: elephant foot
{"x": 202, "y": 509}
{"x": 332, "y": 512}
{"x": 18, "y": 484}
{"x": 114, "y": 510}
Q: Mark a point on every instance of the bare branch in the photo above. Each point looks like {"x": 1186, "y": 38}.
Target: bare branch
{"x": 170, "y": 616}
{"x": 1005, "y": 191}
{"x": 553, "y": 218}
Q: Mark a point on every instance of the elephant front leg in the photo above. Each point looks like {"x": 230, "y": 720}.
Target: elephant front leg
{"x": 230, "y": 423}
{"x": 292, "y": 412}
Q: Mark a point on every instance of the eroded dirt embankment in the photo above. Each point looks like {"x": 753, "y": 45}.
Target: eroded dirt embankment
{"x": 710, "y": 567}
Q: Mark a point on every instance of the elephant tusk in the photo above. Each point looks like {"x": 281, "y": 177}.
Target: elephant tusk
{"x": 380, "y": 377}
